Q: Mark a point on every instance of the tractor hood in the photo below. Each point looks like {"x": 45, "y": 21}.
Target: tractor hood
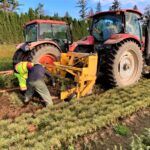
{"x": 89, "y": 40}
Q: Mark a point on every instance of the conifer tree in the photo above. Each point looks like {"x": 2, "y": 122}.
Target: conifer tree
{"x": 98, "y": 7}
{"x": 115, "y": 5}
{"x": 82, "y": 4}
{"x": 40, "y": 10}
{"x": 4, "y": 5}
{"x": 147, "y": 11}
{"x": 32, "y": 14}
{"x": 91, "y": 12}
{"x": 135, "y": 7}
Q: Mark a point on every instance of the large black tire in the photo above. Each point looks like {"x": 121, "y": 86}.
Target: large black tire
{"x": 42, "y": 50}
{"x": 19, "y": 56}
{"x": 123, "y": 64}
{"x": 35, "y": 54}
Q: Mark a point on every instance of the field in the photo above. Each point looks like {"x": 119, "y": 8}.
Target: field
{"x": 6, "y": 53}
{"x": 115, "y": 119}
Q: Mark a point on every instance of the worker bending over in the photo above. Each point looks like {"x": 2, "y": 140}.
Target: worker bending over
{"x": 31, "y": 79}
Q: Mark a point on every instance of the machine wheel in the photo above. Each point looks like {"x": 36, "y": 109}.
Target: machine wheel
{"x": 44, "y": 54}
{"x": 124, "y": 64}
{"x": 19, "y": 56}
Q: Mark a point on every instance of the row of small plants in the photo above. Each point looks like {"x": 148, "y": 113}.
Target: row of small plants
{"x": 59, "y": 126}
{"x": 141, "y": 142}
{"x": 8, "y": 81}
{"x": 138, "y": 142}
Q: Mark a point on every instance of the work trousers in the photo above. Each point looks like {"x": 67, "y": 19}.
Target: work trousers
{"x": 40, "y": 87}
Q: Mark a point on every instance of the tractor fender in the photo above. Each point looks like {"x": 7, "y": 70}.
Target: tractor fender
{"x": 116, "y": 38}
{"x": 30, "y": 46}
{"x": 20, "y": 46}
{"x": 88, "y": 40}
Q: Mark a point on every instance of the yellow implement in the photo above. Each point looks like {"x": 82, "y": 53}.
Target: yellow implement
{"x": 83, "y": 68}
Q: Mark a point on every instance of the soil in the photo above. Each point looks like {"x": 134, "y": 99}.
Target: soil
{"x": 8, "y": 110}
{"x": 106, "y": 138}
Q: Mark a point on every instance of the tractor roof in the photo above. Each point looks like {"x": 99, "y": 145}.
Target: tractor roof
{"x": 122, "y": 10}
{"x": 40, "y": 21}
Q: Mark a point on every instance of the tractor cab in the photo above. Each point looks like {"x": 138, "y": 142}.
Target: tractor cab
{"x": 48, "y": 30}
{"x": 106, "y": 24}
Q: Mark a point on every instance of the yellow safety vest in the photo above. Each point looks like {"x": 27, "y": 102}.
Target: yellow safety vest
{"x": 22, "y": 75}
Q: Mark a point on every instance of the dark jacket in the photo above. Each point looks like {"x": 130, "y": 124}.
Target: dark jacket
{"x": 38, "y": 72}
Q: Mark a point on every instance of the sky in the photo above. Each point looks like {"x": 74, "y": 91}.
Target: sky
{"x": 61, "y": 6}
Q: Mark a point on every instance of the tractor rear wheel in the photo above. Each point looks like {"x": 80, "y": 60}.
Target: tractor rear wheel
{"x": 124, "y": 65}
{"x": 19, "y": 56}
{"x": 44, "y": 54}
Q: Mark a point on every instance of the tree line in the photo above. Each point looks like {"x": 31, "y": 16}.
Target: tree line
{"x": 11, "y": 23}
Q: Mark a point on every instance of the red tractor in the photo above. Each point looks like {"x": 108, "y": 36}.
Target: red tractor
{"x": 123, "y": 51}
{"x": 115, "y": 35}
{"x": 44, "y": 41}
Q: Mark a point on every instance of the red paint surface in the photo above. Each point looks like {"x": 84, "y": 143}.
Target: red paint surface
{"x": 34, "y": 44}
{"x": 89, "y": 40}
{"x": 115, "y": 38}
{"x": 73, "y": 46}
{"x": 118, "y": 11}
{"x": 39, "y": 21}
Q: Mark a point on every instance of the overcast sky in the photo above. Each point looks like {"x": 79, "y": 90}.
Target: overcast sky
{"x": 61, "y": 6}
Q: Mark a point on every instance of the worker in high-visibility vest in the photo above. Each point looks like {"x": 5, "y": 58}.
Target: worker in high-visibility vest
{"x": 31, "y": 78}
{"x": 21, "y": 72}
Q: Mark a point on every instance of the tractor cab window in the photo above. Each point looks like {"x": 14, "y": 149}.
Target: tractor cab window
{"x": 105, "y": 26}
{"x": 31, "y": 33}
{"x": 52, "y": 31}
{"x": 59, "y": 31}
{"x": 45, "y": 31}
{"x": 133, "y": 25}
